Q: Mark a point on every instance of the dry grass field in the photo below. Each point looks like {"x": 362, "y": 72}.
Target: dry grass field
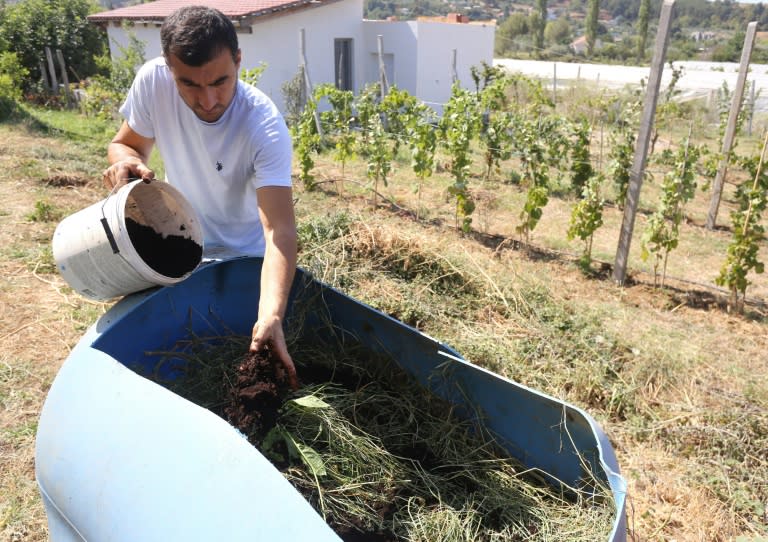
{"x": 679, "y": 383}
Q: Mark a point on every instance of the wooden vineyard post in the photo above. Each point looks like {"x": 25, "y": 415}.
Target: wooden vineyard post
{"x": 382, "y": 68}
{"x": 305, "y": 76}
{"x": 454, "y": 73}
{"x": 44, "y": 76}
{"x": 730, "y": 128}
{"x": 65, "y": 77}
{"x": 52, "y": 71}
{"x": 643, "y": 139}
{"x": 554, "y": 84}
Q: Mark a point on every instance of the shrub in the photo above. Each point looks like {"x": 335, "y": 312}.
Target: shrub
{"x": 11, "y": 74}
{"x": 106, "y": 94}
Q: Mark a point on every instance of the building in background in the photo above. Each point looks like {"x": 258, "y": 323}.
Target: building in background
{"x": 421, "y": 56}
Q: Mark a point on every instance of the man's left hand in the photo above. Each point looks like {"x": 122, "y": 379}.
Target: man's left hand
{"x": 269, "y": 333}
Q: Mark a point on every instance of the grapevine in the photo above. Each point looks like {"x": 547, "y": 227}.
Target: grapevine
{"x": 662, "y": 233}
{"x": 587, "y": 216}
{"x": 306, "y": 142}
{"x": 458, "y": 126}
{"x": 747, "y": 233}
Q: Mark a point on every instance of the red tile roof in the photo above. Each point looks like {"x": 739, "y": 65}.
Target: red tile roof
{"x": 234, "y": 9}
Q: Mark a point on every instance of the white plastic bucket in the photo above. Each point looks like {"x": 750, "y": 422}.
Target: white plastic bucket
{"x": 144, "y": 235}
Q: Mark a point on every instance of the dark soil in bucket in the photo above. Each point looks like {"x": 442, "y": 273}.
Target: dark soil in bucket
{"x": 171, "y": 255}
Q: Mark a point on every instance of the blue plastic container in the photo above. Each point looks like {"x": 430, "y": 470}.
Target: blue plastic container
{"x": 121, "y": 458}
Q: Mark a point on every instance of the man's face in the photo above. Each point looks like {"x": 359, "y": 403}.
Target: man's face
{"x": 207, "y": 89}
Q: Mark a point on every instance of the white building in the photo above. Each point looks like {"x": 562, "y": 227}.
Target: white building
{"x": 340, "y": 46}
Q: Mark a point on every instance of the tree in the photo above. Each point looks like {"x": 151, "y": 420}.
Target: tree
{"x": 539, "y": 22}
{"x": 517, "y": 24}
{"x": 593, "y": 10}
{"x": 513, "y": 27}
{"x": 643, "y": 15}
{"x": 30, "y": 26}
{"x": 729, "y": 51}
{"x": 557, "y": 32}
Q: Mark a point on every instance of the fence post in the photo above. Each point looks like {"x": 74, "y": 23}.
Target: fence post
{"x": 44, "y": 76}
{"x": 305, "y": 76}
{"x": 65, "y": 77}
{"x": 454, "y": 73}
{"x": 52, "y": 71}
{"x": 382, "y": 67}
{"x": 643, "y": 139}
{"x": 554, "y": 84}
{"x": 730, "y": 128}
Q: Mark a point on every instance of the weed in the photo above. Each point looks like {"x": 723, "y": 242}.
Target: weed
{"x": 20, "y": 433}
{"x": 45, "y": 212}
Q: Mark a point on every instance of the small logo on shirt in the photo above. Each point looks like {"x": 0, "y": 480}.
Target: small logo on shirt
{"x": 219, "y": 166}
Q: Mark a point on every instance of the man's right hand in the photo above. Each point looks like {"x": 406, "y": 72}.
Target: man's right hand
{"x": 120, "y": 173}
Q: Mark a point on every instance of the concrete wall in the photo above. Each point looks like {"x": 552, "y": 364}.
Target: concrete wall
{"x": 420, "y": 54}
{"x": 149, "y": 34}
{"x": 400, "y": 45}
{"x": 473, "y": 44}
{"x": 276, "y": 41}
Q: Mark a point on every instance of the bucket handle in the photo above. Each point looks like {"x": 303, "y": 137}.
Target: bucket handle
{"x": 105, "y": 223}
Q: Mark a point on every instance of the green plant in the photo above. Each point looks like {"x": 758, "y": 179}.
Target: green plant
{"x": 253, "y": 75}
{"x": 29, "y": 26}
{"x": 748, "y": 233}
{"x": 338, "y": 121}
{"x": 44, "y": 212}
{"x": 622, "y": 140}
{"x": 497, "y": 141}
{"x": 536, "y": 199}
{"x": 294, "y": 96}
{"x": 495, "y": 134}
{"x": 399, "y": 110}
{"x": 539, "y": 144}
{"x": 366, "y": 105}
{"x": 668, "y": 109}
{"x": 306, "y": 142}
{"x": 105, "y": 94}
{"x": 581, "y": 165}
{"x": 587, "y": 216}
{"x": 12, "y": 73}
{"x": 662, "y": 233}
{"x": 486, "y": 76}
{"x": 379, "y": 155}
{"x": 458, "y": 126}
{"x": 423, "y": 142}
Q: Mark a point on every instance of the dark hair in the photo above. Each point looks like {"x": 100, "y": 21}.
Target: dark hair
{"x": 196, "y": 34}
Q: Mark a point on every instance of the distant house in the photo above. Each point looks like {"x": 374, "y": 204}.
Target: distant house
{"x": 340, "y": 46}
{"x": 700, "y": 35}
{"x": 579, "y": 45}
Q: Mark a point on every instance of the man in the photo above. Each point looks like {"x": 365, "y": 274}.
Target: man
{"x": 225, "y": 146}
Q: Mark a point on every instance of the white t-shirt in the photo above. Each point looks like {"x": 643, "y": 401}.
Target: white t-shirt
{"x": 218, "y": 166}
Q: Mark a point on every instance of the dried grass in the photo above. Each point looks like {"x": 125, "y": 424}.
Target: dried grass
{"x": 375, "y": 453}
{"x": 688, "y": 358}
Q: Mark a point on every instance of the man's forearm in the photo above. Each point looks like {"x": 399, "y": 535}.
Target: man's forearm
{"x": 277, "y": 275}
{"x": 119, "y": 152}
{"x": 128, "y": 157}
